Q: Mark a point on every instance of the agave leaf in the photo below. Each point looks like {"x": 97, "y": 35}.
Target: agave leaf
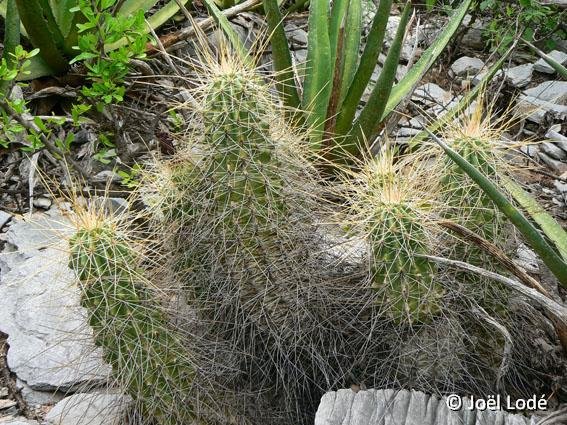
{"x": 337, "y": 21}
{"x": 561, "y": 70}
{"x": 11, "y": 40}
{"x": 130, "y": 7}
{"x": 11, "y": 30}
{"x": 281, "y": 55}
{"x": 3, "y": 13}
{"x": 365, "y": 127}
{"x": 546, "y": 222}
{"x": 352, "y": 34}
{"x": 365, "y": 68}
{"x": 536, "y": 241}
{"x": 407, "y": 84}
{"x": 43, "y": 32}
{"x": 37, "y": 68}
{"x": 318, "y": 72}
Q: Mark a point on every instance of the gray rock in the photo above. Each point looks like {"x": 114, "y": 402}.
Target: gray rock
{"x": 549, "y": 91}
{"x": 42, "y": 202}
{"x": 473, "y": 37}
{"x": 527, "y": 259}
{"x": 530, "y": 150}
{"x": 89, "y": 409}
{"x": 37, "y": 398}
{"x": 432, "y": 94}
{"x": 519, "y": 76}
{"x": 4, "y": 218}
{"x": 535, "y": 109}
{"x": 296, "y": 35}
{"x": 477, "y": 79}
{"x": 380, "y": 407}
{"x": 17, "y": 420}
{"x": 555, "y": 165}
{"x": 51, "y": 345}
{"x": 560, "y": 186}
{"x": 391, "y": 28}
{"x": 466, "y": 66}
{"x": 558, "y": 138}
{"x": 554, "y": 151}
{"x": 106, "y": 176}
{"x": 542, "y": 66}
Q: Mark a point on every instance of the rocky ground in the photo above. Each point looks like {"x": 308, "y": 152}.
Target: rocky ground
{"x": 51, "y": 373}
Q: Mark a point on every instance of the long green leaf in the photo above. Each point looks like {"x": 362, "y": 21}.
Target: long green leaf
{"x": 366, "y": 125}
{"x": 3, "y": 7}
{"x": 337, "y": 21}
{"x": 281, "y": 55}
{"x": 11, "y": 31}
{"x": 407, "y": 84}
{"x": 352, "y": 34}
{"x": 11, "y": 40}
{"x": 365, "y": 68}
{"x": 43, "y": 32}
{"x": 318, "y": 72}
{"x": 546, "y": 222}
{"x": 561, "y": 70}
{"x": 536, "y": 241}
{"x": 130, "y": 7}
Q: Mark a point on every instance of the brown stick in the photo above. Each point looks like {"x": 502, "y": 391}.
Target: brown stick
{"x": 498, "y": 254}
{"x": 170, "y": 40}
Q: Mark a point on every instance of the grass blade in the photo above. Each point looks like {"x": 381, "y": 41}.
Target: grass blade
{"x": 281, "y": 55}
{"x": 364, "y": 128}
{"x": 545, "y": 221}
{"x": 407, "y": 84}
{"x": 538, "y": 243}
{"x": 318, "y": 72}
{"x": 365, "y": 68}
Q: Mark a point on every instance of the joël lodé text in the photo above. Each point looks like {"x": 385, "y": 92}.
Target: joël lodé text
{"x": 496, "y": 402}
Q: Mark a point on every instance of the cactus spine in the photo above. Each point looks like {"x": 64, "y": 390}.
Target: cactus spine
{"x": 146, "y": 357}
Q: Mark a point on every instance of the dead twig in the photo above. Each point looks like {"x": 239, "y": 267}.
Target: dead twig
{"x": 497, "y": 253}
{"x": 170, "y": 41}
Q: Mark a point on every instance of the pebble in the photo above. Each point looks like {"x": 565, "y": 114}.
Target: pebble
{"x": 466, "y": 66}
{"x": 519, "y": 76}
{"x": 43, "y": 203}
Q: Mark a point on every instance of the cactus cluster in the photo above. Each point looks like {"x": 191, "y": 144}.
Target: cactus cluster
{"x": 129, "y": 325}
{"x": 273, "y": 308}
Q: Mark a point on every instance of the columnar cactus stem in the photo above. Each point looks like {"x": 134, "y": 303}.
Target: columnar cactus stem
{"x": 146, "y": 357}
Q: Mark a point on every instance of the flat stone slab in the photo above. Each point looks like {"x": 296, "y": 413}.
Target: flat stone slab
{"x": 89, "y": 409}
{"x": 542, "y": 66}
{"x": 390, "y": 407}
{"x": 51, "y": 346}
{"x": 11, "y": 420}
